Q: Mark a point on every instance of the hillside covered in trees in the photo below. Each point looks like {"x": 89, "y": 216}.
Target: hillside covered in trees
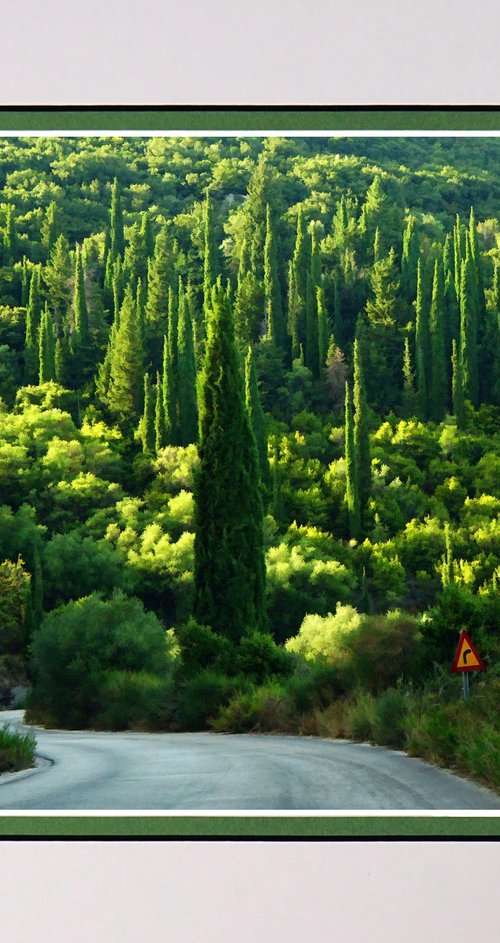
{"x": 249, "y": 433}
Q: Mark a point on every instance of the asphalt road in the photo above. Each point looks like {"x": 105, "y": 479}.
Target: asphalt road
{"x": 204, "y": 771}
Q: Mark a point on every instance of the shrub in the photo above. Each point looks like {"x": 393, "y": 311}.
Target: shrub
{"x": 325, "y": 635}
{"x": 135, "y": 700}
{"x": 360, "y": 717}
{"x": 263, "y": 709}
{"x": 201, "y": 697}
{"x": 79, "y": 644}
{"x": 202, "y": 648}
{"x": 17, "y": 750}
{"x": 258, "y": 656}
{"x": 390, "y": 719}
{"x": 385, "y": 648}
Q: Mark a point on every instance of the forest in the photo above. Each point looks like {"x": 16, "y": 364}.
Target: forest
{"x": 249, "y": 436}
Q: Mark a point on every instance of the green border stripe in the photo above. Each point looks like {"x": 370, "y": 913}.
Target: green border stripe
{"x": 251, "y": 120}
{"x": 245, "y": 827}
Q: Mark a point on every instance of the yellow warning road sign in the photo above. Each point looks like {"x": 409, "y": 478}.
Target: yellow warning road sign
{"x": 467, "y": 657}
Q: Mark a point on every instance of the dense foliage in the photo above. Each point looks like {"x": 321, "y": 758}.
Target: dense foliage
{"x": 253, "y": 386}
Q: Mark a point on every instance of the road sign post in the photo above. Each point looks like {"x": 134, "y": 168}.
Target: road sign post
{"x": 467, "y": 658}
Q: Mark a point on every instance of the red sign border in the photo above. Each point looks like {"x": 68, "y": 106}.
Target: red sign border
{"x": 465, "y": 637}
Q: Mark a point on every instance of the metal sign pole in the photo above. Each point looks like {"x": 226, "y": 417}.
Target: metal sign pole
{"x": 465, "y": 678}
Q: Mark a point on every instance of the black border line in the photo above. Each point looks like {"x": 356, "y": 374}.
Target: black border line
{"x": 250, "y": 108}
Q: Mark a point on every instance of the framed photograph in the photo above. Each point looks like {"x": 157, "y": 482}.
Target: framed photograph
{"x": 249, "y": 430}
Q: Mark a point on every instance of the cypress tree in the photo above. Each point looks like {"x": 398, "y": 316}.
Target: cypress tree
{"x": 188, "y": 405}
{"x": 46, "y": 348}
{"x": 422, "y": 348}
{"x": 50, "y": 228}
{"x": 247, "y": 301}
{"x": 377, "y": 247}
{"x": 118, "y": 286}
{"x": 256, "y": 417}
{"x": 57, "y": 277}
{"x": 476, "y": 258}
{"x": 147, "y": 424}
{"x": 161, "y": 278}
{"x": 210, "y": 267}
{"x": 160, "y": 426}
{"x": 409, "y": 260}
{"x": 171, "y": 369}
{"x": 126, "y": 364}
{"x": 147, "y": 235}
{"x": 9, "y": 238}
{"x": 116, "y": 223}
{"x": 439, "y": 379}
{"x": 139, "y": 304}
{"x": 229, "y": 569}
{"x": 468, "y": 330}
{"x": 276, "y": 329}
{"x": 323, "y": 327}
{"x": 33, "y": 316}
{"x": 361, "y": 431}
{"x": 457, "y": 254}
{"x": 80, "y": 310}
{"x": 312, "y": 326}
{"x": 352, "y": 489}
{"x": 25, "y": 283}
{"x": 409, "y": 393}
{"x": 457, "y": 387}
{"x": 300, "y": 263}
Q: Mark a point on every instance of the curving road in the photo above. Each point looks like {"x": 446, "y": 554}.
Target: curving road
{"x": 205, "y": 771}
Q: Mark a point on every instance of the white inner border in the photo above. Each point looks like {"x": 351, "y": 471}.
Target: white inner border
{"x": 216, "y": 813}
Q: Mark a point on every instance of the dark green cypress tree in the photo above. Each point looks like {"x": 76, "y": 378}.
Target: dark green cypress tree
{"x": 352, "y": 488}
{"x": 9, "y": 238}
{"x": 170, "y": 379}
{"x": 50, "y": 229}
{"x": 126, "y": 374}
{"x": 161, "y": 279}
{"x": 323, "y": 327}
{"x": 422, "y": 348}
{"x": 377, "y": 246}
{"x": 33, "y": 316}
{"x": 312, "y": 326}
{"x": 146, "y": 430}
{"x": 361, "y": 431}
{"x": 139, "y": 303}
{"x": 457, "y": 387}
{"x": 118, "y": 289}
{"x": 188, "y": 405}
{"x": 409, "y": 260}
{"x": 247, "y": 313}
{"x": 57, "y": 277}
{"x": 468, "y": 330}
{"x": 25, "y": 283}
{"x": 297, "y": 300}
{"x": 210, "y": 266}
{"x": 439, "y": 374}
{"x": 457, "y": 254}
{"x": 229, "y": 567}
{"x": 116, "y": 223}
{"x": 476, "y": 258}
{"x": 80, "y": 310}
{"x": 256, "y": 417}
{"x": 409, "y": 392}
{"x": 276, "y": 329}
{"x": 46, "y": 348}
{"x": 160, "y": 426}
{"x": 147, "y": 235}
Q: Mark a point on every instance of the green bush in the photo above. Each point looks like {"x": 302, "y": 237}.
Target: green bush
{"x": 389, "y": 727}
{"x": 17, "y": 750}
{"x": 385, "y": 648}
{"x": 79, "y": 645}
{"x": 258, "y": 657}
{"x": 135, "y": 700}
{"x": 201, "y": 697}
{"x": 264, "y": 709}
{"x": 360, "y": 717}
{"x": 202, "y": 648}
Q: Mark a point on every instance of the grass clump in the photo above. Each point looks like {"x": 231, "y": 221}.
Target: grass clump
{"x": 17, "y": 750}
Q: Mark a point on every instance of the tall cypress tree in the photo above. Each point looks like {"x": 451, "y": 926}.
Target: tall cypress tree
{"x": 229, "y": 567}
{"x": 276, "y": 329}
{"x": 210, "y": 267}
{"x": 46, "y": 348}
{"x": 146, "y": 430}
{"x": 9, "y": 238}
{"x": 80, "y": 310}
{"x": 124, "y": 396}
{"x": 457, "y": 387}
{"x": 323, "y": 327}
{"x": 33, "y": 316}
{"x": 57, "y": 277}
{"x": 247, "y": 313}
{"x": 352, "y": 487}
{"x": 468, "y": 330}
{"x": 409, "y": 260}
{"x": 160, "y": 425}
{"x": 422, "y": 348}
{"x": 476, "y": 258}
{"x": 312, "y": 285}
{"x": 298, "y": 286}
{"x": 409, "y": 392}
{"x": 439, "y": 374}
{"x": 116, "y": 223}
{"x": 188, "y": 405}
{"x": 361, "y": 431}
{"x": 256, "y": 417}
{"x": 50, "y": 228}
{"x": 170, "y": 380}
